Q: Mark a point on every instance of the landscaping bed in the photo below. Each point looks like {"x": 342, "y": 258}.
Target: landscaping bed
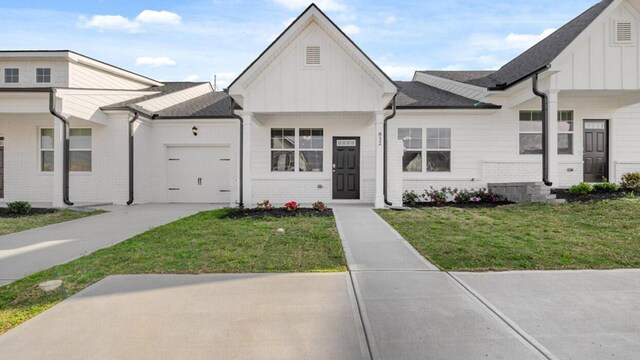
{"x": 592, "y": 196}
{"x": 208, "y": 242}
{"x": 277, "y": 213}
{"x": 576, "y": 235}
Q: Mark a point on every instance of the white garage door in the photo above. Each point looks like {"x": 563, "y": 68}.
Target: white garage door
{"x": 198, "y": 174}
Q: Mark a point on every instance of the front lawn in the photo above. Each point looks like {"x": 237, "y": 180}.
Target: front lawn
{"x": 202, "y": 243}
{"x": 10, "y": 225}
{"x": 593, "y": 235}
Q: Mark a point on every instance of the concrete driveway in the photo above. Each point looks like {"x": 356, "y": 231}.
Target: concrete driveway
{"x": 30, "y": 251}
{"x": 223, "y": 316}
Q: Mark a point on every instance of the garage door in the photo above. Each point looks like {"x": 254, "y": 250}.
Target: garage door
{"x": 197, "y": 174}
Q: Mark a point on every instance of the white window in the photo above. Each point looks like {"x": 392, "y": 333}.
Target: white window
{"x": 43, "y": 75}
{"x": 438, "y": 150}
{"x": 412, "y": 157}
{"x": 11, "y": 76}
{"x": 80, "y": 150}
{"x": 311, "y": 150}
{"x": 46, "y": 149}
{"x": 308, "y": 150}
{"x": 531, "y": 132}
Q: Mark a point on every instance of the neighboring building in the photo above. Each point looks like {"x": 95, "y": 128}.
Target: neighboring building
{"x": 313, "y": 108}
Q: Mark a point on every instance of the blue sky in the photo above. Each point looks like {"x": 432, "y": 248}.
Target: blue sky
{"x": 192, "y": 40}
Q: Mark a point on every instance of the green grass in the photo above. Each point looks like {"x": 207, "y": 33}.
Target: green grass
{"x": 202, "y": 243}
{"x": 594, "y": 235}
{"x": 12, "y": 225}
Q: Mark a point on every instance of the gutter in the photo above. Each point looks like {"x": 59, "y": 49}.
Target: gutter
{"x": 131, "y": 158}
{"x": 384, "y": 150}
{"x": 65, "y": 147}
{"x": 241, "y": 160}
{"x": 505, "y": 86}
{"x": 545, "y": 125}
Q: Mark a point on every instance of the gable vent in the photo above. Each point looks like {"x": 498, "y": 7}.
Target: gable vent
{"x": 312, "y": 55}
{"x": 623, "y": 32}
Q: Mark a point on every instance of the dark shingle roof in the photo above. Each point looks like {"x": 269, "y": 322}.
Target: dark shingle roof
{"x": 417, "y": 95}
{"x": 167, "y": 88}
{"x": 532, "y": 60}
{"x": 210, "y": 105}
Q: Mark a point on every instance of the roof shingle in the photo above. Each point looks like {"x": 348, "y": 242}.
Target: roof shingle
{"x": 417, "y": 95}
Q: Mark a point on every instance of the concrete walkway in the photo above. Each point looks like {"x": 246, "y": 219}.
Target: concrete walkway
{"x": 30, "y": 251}
{"x": 221, "y": 316}
{"x": 410, "y": 309}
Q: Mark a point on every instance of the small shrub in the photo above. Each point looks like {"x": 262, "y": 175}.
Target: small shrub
{"x": 291, "y": 206}
{"x": 410, "y": 198}
{"x": 581, "y": 189}
{"x": 605, "y": 187}
{"x": 19, "y": 207}
{"x": 631, "y": 181}
{"x": 439, "y": 197}
{"x": 487, "y": 196}
{"x": 264, "y": 205}
{"x": 319, "y": 206}
{"x": 463, "y": 196}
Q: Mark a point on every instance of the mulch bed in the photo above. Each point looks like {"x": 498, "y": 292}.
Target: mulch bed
{"x": 5, "y": 213}
{"x": 479, "y": 205}
{"x": 593, "y": 196}
{"x": 276, "y": 213}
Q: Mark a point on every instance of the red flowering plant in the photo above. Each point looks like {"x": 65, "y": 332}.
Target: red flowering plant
{"x": 264, "y": 205}
{"x": 291, "y": 206}
{"x": 319, "y": 206}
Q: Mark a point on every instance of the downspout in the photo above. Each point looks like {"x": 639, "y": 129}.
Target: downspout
{"x": 240, "y": 180}
{"x": 65, "y": 147}
{"x": 131, "y": 158}
{"x": 384, "y": 150}
{"x": 545, "y": 126}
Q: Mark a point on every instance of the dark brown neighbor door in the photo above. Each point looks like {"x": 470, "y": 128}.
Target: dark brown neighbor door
{"x": 596, "y": 150}
{"x": 1, "y": 167}
{"x": 346, "y": 168}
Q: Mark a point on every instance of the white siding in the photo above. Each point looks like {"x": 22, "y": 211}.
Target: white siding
{"x": 82, "y": 76}
{"x": 59, "y": 72}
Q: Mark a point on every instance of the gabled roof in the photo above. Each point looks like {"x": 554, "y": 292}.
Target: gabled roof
{"x": 532, "y": 60}
{"x": 312, "y": 7}
{"x": 165, "y": 89}
{"x": 418, "y": 95}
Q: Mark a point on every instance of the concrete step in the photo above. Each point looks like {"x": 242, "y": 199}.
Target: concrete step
{"x": 556, "y": 201}
{"x": 542, "y": 197}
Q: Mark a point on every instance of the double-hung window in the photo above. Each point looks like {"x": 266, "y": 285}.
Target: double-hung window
{"x": 43, "y": 75}
{"x": 80, "y": 150}
{"x": 438, "y": 150}
{"x": 307, "y": 147}
{"x": 46, "y": 150}
{"x": 11, "y": 76}
{"x": 412, "y": 157}
{"x": 531, "y": 132}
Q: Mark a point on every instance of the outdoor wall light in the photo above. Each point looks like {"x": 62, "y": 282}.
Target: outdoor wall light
{"x": 194, "y": 130}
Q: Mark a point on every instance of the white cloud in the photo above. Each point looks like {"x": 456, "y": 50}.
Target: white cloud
{"x": 390, "y": 19}
{"x": 158, "y": 17}
{"x": 511, "y": 42}
{"x": 351, "y": 29}
{"x": 154, "y": 61}
{"x": 111, "y": 22}
{"x": 400, "y": 72}
{"x": 525, "y": 41}
{"x": 223, "y": 80}
{"x": 325, "y": 5}
{"x": 192, "y": 77}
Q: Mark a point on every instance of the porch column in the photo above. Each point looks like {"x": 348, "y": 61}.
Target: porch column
{"x": 379, "y": 124}
{"x": 58, "y": 156}
{"x": 247, "y": 120}
{"x": 552, "y": 136}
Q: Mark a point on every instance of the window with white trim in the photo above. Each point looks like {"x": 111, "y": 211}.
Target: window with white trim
{"x": 438, "y": 150}
{"x": 311, "y": 150}
{"x": 283, "y": 149}
{"x": 530, "y": 134}
{"x": 43, "y": 75}
{"x": 80, "y": 150}
{"x": 413, "y": 147}
{"x": 46, "y": 149}
{"x": 11, "y": 76}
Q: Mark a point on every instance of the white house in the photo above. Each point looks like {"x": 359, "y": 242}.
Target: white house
{"x": 314, "y": 118}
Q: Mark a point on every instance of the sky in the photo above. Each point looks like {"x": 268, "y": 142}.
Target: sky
{"x": 193, "y": 40}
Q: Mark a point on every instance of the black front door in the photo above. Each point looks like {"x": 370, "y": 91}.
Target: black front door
{"x": 1, "y": 167}
{"x": 596, "y": 150}
{"x": 346, "y": 168}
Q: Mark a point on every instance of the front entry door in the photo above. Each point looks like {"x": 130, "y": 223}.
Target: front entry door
{"x": 1, "y": 168}
{"x": 346, "y": 168}
{"x": 596, "y": 150}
